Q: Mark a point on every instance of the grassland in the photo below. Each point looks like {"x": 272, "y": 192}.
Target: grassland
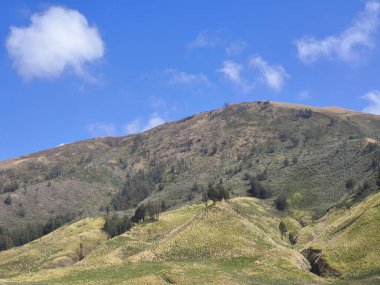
{"x": 230, "y": 243}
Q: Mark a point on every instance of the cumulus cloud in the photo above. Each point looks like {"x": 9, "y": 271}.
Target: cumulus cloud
{"x": 236, "y": 47}
{"x": 273, "y": 76}
{"x": 57, "y": 40}
{"x": 205, "y": 39}
{"x": 374, "y": 106}
{"x": 349, "y": 45}
{"x": 102, "y": 129}
{"x": 138, "y": 126}
{"x": 233, "y": 72}
{"x": 176, "y": 77}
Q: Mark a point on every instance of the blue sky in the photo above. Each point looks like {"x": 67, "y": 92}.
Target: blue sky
{"x": 73, "y": 70}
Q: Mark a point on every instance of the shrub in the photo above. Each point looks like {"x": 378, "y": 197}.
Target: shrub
{"x": 350, "y": 183}
{"x": 258, "y": 190}
{"x": 304, "y": 113}
{"x": 281, "y": 203}
{"x": 115, "y": 225}
{"x": 282, "y": 228}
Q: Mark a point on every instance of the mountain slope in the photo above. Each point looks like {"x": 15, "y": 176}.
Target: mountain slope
{"x": 233, "y": 243}
{"x": 347, "y": 240}
{"x": 323, "y": 148}
{"x": 238, "y": 242}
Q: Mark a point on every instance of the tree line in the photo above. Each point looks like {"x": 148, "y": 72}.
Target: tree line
{"x": 32, "y": 231}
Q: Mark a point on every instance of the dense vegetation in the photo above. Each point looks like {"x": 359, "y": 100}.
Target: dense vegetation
{"x": 23, "y": 235}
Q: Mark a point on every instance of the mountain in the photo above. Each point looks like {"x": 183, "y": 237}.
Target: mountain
{"x": 304, "y": 152}
{"x": 314, "y": 170}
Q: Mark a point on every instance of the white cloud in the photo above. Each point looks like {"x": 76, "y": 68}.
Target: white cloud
{"x": 57, "y": 40}
{"x": 133, "y": 127}
{"x": 232, "y": 71}
{"x": 137, "y": 126}
{"x": 273, "y": 76}
{"x": 205, "y": 39}
{"x": 236, "y": 47}
{"x": 102, "y": 129}
{"x": 303, "y": 95}
{"x": 154, "y": 121}
{"x": 374, "y": 106}
{"x": 349, "y": 45}
{"x": 180, "y": 77}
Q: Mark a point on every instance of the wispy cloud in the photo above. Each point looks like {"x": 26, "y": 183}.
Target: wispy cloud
{"x": 303, "y": 95}
{"x": 257, "y": 70}
{"x": 138, "y": 126}
{"x": 273, "y": 76}
{"x": 176, "y": 77}
{"x": 205, "y": 39}
{"x": 236, "y": 47}
{"x": 374, "y": 98}
{"x": 349, "y": 45}
{"x": 102, "y": 129}
{"x": 56, "y": 40}
{"x": 233, "y": 72}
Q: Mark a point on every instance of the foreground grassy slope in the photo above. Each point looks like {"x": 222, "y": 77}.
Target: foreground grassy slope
{"x": 349, "y": 239}
{"x": 323, "y": 150}
{"x": 58, "y": 249}
{"x": 230, "y": 243}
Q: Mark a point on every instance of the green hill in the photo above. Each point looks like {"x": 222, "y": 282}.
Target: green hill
{"x": 234, "y": 243}
{"x": 231, "y": 243}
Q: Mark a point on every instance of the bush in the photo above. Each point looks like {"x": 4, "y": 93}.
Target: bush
{"x": 281, "y": 203}
{"x": 282, "y": 228}
{"x": 115, "y": 225}
{"x": 258, "y": 190}
{"x": 304, "y": 114}
{"x": 216, "y": 193}
{"x": 350, "y": 183}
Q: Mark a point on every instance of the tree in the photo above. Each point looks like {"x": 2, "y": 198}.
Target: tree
{"x": 350, "y": 183}
{"x": 204, "y": 197}
{"x": 258, "y": 190}
{"x": 140, "y": 214}
{"x": 282, "y": 228}
{"x": 281, "y": 203}
{"x": 216, "y": 193}
{"x": 292, "y": 238}
{"x": 115, "y": 225}
{"x": 80, "y": 252}
{"x": 153, "y": 210}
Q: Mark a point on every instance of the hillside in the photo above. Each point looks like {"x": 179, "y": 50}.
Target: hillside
{"x": 305, "y": 155}
{"x": 231, "y": 243}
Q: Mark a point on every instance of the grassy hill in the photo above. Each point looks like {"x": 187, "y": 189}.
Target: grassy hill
{"x": 305, "y": 155}
{"x": 231, "y": 243}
